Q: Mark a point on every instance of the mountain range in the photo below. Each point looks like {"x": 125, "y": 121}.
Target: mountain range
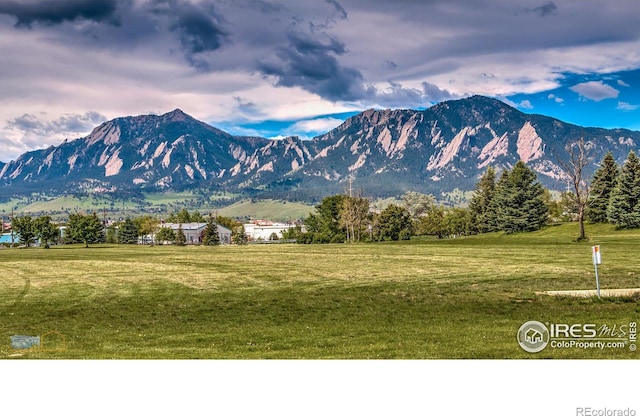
{"x": 381, "y": 152}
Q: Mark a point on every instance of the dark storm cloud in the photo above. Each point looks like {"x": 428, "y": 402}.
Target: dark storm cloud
{"x": 193, "y": 28}
{"x": 312, "y": 65}
{"x": 308, "y": 45}
{"x": 52, "y": 12}
{"x": 354, "y": 53}
{"x": 198, "y": 25}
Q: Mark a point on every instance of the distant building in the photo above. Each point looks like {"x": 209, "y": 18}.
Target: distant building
{"x": 262, "y": 230}
{"x": 193, "y": 231}
{"x": 5, "y": 238}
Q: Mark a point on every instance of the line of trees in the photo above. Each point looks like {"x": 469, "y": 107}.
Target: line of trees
{"x": 516, "y": 202}
{"x": 513, "y": 202}
{"x": 89, "y": 229}
{"x": 29, "y": 230}
{"x": 615, "y": 193}
{"x": 343, "y": 218}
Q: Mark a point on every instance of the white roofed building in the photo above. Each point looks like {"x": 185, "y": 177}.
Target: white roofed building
{"x": 264, "y": 231}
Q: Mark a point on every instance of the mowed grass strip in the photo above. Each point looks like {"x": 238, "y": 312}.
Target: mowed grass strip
{"x": 459, "y": 298}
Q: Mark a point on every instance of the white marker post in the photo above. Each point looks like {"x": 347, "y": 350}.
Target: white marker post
{"x": 597, "y": 259}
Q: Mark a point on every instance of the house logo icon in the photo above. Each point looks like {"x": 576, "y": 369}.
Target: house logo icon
{"x": 533, "y": 336}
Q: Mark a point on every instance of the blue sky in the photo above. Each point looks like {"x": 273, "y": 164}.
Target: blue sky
{"x": 591, "y": 100}
{"x": 596, "y": 100}
{"x": 275, "y": 68}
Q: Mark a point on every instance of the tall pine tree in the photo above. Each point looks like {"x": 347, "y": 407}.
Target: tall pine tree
{"x": 624, "y": 204}
{"x": 128, "y": 232}
{"x": 181, "y": 238}
{"x": 519, "y": 200}
{"x": 602, "y": 184}
{"x": 483, "y": 215}
{"x": 500, "y": 201}
{"x": 210, "y": 235}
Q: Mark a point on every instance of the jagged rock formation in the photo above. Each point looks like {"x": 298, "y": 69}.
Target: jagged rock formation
{"x": 386, "y": 152}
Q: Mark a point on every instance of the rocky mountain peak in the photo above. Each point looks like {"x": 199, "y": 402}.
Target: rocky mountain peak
{"x": 386, "y": 151}
{"x": 177, "y": 115}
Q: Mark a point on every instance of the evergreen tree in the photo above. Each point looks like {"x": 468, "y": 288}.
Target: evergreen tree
{"x": 197, "y": 217}
{"x": 172, "y": 218}
{"x": 602, "y": 184}
{"x": 181, "y": 238}
{"x": 500, "y": 198}
{"x": 128, "y": 232}
{"x": 183, "y": 217}
{"x": 519, "y": 200}
{"x": 210, "y": 236}
{"x": 624, "y": 203}
{"x": 238, "y": 235}
{"x": 112, "y": 234}
{"x": 481, "y": 210}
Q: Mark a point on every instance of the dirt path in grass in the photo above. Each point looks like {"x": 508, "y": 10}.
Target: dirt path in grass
{"x": 592, "y": 292}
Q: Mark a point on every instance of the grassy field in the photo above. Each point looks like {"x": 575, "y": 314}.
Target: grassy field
{"x": 459, "y": 298}
{"x": 160, "y": 203}
{"x": 268, "y": 209}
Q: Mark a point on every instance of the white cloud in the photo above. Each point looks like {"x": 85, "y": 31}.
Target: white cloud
{"x": 555, "y": 98}
{"x": 526, "y": 104}
{"x": 595, "y": 90}
{"x": 428, "y": 51}
{"x": 37, "y": 131}
{"x": 278, "y": 137}
{"x": 320, "y": 125}
{"x": 626, "y": 106}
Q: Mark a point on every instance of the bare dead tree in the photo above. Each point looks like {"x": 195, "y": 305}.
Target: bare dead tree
{"x": 579, "y": 157}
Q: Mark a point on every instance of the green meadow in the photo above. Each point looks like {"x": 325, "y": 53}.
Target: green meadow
{"x": 276, "y": 210}
{"x": 421, "y": 299}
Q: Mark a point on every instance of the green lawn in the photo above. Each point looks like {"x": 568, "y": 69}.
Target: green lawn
{"x": 275, "y": 210}
{"x": 459, "y": 298}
